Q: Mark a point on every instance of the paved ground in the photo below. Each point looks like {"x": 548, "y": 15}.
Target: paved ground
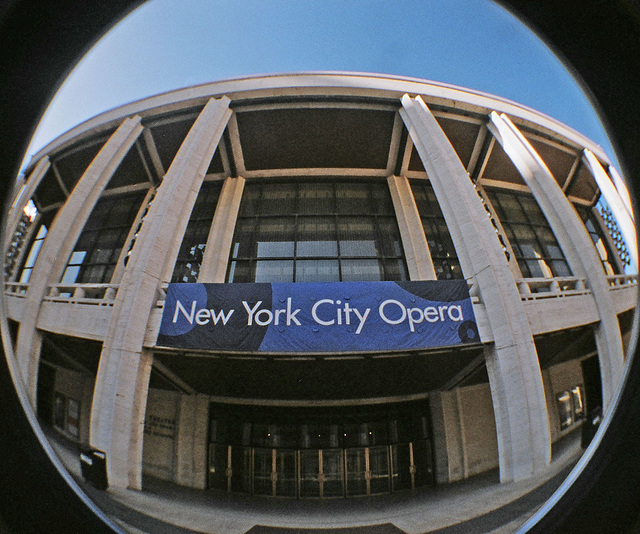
{"x": 477, "y": 505}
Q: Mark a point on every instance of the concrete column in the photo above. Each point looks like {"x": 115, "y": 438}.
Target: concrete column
{"x": 524, "y": 443}
{"x": 621, "y": 189}
{"x": 575, "y": 242}
{"x": 618, "y": 199}
{"x": 119, "y": 401}
{"x": 414, "y": 241}
{"x": 218, "y": 249}
{"x": 192, "y": 441}
{"x": 60, "y": 241}
{"x": 29, "y": 189}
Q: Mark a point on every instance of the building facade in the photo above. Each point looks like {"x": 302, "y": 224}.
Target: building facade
{"x": 310, "y": 183}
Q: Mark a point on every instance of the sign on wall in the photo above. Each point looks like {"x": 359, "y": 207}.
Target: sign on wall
{"x": 318, "y": 317}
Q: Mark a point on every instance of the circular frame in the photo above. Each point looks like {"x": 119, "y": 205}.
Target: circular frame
{"x": 600, "y": 44}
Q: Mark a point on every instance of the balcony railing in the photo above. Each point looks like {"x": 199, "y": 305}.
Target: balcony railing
{"x": 619, "y": 281}
{"x": 96, "y": 294}
{"x": 529, "y": 288}
{"x": 16, "y": 289}
{"x": 543, "y": 288}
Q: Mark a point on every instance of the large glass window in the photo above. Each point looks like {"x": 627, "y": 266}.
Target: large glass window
{"x": 597, "y": 234}
{"x": 27, "y": 268}
{"x": 316, "y": 232}
{"x": 535, "y": 246}
{"x": 97, "y": 251}
{"x": 443, "y": 253}
{"x": 194, "y": 242}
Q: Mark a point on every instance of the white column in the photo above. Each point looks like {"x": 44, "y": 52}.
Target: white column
{"x": 218, "y": 249}
{"x": 524, "y": 441}
{"x": 575, "y": 242}
{"x": 414, "y": 242}
{"x": 119, "y": 401}
{"x": 60, "y": 241}
{"x": 617, "y": 198}
{"x": 191, "y": 453}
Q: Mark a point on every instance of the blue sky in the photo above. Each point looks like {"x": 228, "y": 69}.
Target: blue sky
{"x": 168, "y": 44}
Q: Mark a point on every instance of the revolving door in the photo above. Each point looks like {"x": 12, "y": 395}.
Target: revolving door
{"x": 304, "y": 454}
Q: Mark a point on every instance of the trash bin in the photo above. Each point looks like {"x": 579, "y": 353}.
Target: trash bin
{"x": 93, "y": 464}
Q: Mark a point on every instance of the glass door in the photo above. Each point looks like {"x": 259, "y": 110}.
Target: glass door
{"x": 379, "y": 470}
{"x": 332, "y": 471}
{"x": 263, "y": 481}
{"x": 286, "y": 476}
{"x": 310, "y": 475}
{"x": 356, "y": 471}
{"x": 402, "y": 467}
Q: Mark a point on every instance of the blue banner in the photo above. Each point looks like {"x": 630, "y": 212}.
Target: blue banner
{"x": 318, "y": 317}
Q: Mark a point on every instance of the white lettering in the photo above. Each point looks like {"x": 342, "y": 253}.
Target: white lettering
{"x": 263, "y": 322}
{"x": 414, "y": 320}
{"x": 250, "y": 311}
{"x": 291, "y": 316}
{"x": 392, "y": 321}
{"x": 315, "y": 315}
{"x": 459, "y": 316}
{"x": 202, "y": 316}
{"x": 220, "y": 316}
{"x": 347, "y": 313}
{"x": 179, "y": 307}
{"x": 362, "y": 318}
{"x": 431, "y": 314}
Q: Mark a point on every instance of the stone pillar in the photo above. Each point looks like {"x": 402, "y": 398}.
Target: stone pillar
{"x": 60, "y": 242}
{"x": 524, "y": 442}
{"x": 618, "y": 199}
{"x": 414, "y": 242}
{"x": 442, "y": 447}
{"x": 119, "y": 401}
{"x": 575, "y": 242}
{"x": 192, "y": 441}
{"x": 218, "y": 249}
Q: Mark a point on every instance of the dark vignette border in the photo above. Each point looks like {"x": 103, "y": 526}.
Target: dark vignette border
{"x": 42, "y": 39}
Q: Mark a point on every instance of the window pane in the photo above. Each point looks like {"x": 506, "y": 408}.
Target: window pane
{"x": 532, "y": 240}
{"x": 510, "y": 207}
{"x": 278, "y": 199}
{"x": 244, "y": 240}
{"x": 361, "y": 270}
{"x": 324, "y": 223}
{"x": 316, "y": 199}
{"x": 274, "y": 238}
{"x": 353, "y": 199}
{"x": 357, "y": 237}
{"x": 103, "y": 237}
{"x": 274, "y": 271}
{"x": 317, "y": 271}
{"x": 241, "y": 271}
{"x": 191, "y": 254}
{"x": 395, "y": 270}
{"x": 70, "y": 275}
{"x": 597, "y": 233}
{"x": 250, "y": 201}
{"x": 389, "y": 237}
{"x": 317, "y": 237}
{"x": 533, "y": 211}
{"x": 443, "y": 254}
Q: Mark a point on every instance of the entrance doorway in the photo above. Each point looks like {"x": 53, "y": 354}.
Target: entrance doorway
{"x": 317, "y": 456}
